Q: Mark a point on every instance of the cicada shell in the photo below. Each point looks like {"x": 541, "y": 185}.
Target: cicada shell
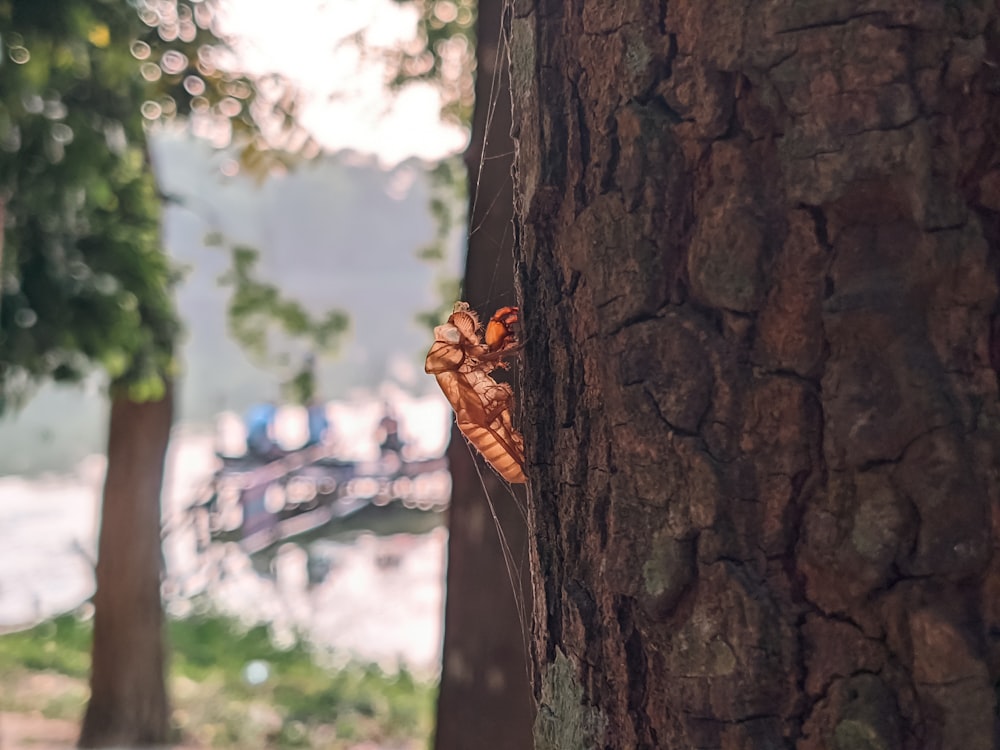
{"x": 462, "y": 362}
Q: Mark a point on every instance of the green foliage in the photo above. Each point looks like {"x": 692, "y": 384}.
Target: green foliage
{"x": 447, "y": 206}
{"x": 256, "y": 308}
{"x": 61, "y": 645}
{"x": 187, "y": 68}
{"x": 443, "y": 54}
{"x": 84, "y": 278}
{"x": 209, "y": 656}
{"x": 301, "y": 388}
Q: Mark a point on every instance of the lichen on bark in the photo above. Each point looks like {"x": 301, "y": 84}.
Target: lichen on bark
{"x": 564, "y": 720}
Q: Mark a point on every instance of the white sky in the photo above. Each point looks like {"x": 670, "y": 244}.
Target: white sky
{"x": 346, "y": 104}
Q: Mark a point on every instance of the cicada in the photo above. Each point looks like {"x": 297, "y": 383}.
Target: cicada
{"x": 462, "y": 361}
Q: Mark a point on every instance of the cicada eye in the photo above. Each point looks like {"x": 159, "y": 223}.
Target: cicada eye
{"x": 500, "y": 331}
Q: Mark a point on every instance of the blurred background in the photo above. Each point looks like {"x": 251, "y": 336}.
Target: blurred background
{"x": 312, "y": 205}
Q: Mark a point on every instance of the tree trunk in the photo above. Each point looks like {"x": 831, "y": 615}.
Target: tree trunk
{"x": 484, "y": 689}
{"x": 128, "y": 704}
{"x": 758, "y": 249}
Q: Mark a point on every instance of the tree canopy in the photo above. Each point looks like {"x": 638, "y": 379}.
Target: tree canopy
{"x": 85, "y": 281}
{"x": 442, "y": 53}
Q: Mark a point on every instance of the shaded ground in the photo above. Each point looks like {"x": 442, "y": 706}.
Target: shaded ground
{"x": 33, "y": 731}
{"x": 36, "y": 732}
{"x": 43, "y": 701}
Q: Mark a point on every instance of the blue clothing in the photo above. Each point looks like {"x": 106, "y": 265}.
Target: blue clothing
{"x": 318, "y": 423}
{"x": 258, "y": 421}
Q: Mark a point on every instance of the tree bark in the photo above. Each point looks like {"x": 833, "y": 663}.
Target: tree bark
{"x": 484, "y": 689}
{"x": 128, "y": 705}
{"x": 758, "y": 256}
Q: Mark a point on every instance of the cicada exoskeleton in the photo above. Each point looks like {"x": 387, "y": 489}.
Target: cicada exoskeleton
{"x": 462, "y": 361}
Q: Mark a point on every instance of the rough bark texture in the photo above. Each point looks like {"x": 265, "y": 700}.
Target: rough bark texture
{"x": 484, "y": 685}
{"x": 759, "y": 250}
{"x": 128, "y": 704}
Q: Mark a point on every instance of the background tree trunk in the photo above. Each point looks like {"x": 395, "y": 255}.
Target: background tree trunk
{"x": 759, "y": 257}
{"x": 128, "y": 704}
{"x": 484, "y": 687}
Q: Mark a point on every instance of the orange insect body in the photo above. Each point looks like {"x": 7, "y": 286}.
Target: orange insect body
{"x": 462, "y": 362}
{"x": 499, "y": 331}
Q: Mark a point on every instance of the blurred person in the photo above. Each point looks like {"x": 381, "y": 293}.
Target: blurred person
{"x": 388, "y": 433}
{"x": 319, "y": 423}
{"x": 260, "y": 431}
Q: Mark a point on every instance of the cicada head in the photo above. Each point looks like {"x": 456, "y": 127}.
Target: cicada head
{"x": 465, "y": 320}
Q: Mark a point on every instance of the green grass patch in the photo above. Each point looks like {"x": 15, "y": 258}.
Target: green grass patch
{"x": 231, "y": 686}
{"x": 61, "y": 645}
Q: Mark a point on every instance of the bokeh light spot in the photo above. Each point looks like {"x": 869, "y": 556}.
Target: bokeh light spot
{"x": 194, "y": 85}
{"x": 151, "y": 110}
{"x": 173, "y": 62}
{"x": 20, "y": 55}
{"x": 25, "y": 317}
{"x": 140, "y": 50}
{"x": 151, "y": 71}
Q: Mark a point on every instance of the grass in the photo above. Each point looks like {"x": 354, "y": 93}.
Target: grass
{"x": 218, "y": 695}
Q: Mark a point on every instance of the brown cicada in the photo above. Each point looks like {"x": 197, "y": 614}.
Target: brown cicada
{"x": 462, "y": 361}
